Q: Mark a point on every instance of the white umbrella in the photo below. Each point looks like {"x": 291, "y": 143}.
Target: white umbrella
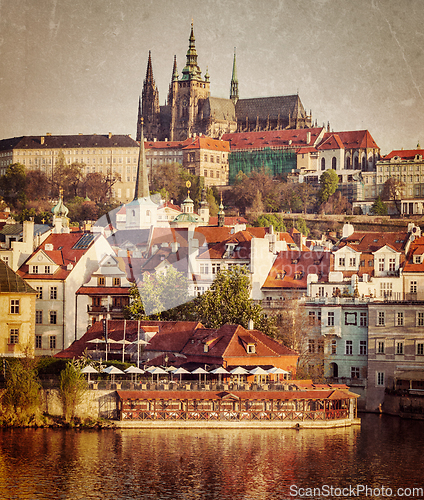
{"x": 277, "y": 371}
{"x": 112, "y": 370}
{"x": 124, "y": 342}
{"x": 180, "y": 371}
{"x": 134, "y": 370}
{"x": 239, "y": 371}
{"x": 220, "y": 370}
{"x": 157, "y": 371}
{"x": 150, "y": 369}
{"x": 199, "y": 371}
{"x": 258, "y": 371}
{"x": 140, "y": 342}
{"x": 89, "y": 369}
{"x": 96, "y": 341}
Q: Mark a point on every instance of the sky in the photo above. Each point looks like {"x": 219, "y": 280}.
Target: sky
{"x": 77, "y": 66}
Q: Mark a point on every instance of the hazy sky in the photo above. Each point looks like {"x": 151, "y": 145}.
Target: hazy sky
{"x": 71, "y": 66}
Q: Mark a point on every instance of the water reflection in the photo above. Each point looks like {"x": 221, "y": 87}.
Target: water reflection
{"x": 205, "y": 463}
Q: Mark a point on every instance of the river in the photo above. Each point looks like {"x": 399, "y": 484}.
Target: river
{"x": 385, "y": 452}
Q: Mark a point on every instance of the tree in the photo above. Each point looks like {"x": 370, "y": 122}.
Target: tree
{"x": 329, "y": 181}
{"x": 13, "y": 184}
{"x": 167, "y": 179}
{"x": 295, "y": 329}
{"x": 72, "y": 389}
{"x": 306, "y": 194}
{"x": 38, "y": 186}
{"x": 393, "y": 191}
{"x": 21, "y": 397}
{"x": 97, "y": 186}
{"x": 336, "y": 204}
{"x": 67, "y": 177}
{"x": 302, "y": 227}
{"x": 267, "y": 220}
{"x": 228, "y": 301}
{"x": 257, "y": 207}
{"x": 157, "y": 293}
{"x": 211, "y": 198}
{"x": 378, "y": 207}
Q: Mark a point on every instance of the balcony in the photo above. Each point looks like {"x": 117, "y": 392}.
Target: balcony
{"x": 111, "y": 308}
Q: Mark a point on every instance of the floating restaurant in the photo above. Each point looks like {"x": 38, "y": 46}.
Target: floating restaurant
{"x": 304, "y": 408}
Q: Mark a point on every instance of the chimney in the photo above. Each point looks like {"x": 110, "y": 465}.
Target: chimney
{"x": 308, "y": 137}
{"x": 42, "y": 140}
{"x": 250, "y": 324}
{"x": 110, "y": 135}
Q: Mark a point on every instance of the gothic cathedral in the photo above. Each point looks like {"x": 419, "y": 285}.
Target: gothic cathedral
{"x": 190, "y": 109}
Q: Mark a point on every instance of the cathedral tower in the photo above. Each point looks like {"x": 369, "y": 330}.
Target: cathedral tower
{"x": 149, "y": 108}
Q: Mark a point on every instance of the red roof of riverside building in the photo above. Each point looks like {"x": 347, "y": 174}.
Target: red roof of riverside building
{"x": 408, "y": 154}
{"x": 273, "y": 139}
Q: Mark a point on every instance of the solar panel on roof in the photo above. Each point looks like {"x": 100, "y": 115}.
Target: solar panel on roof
{"x": 84, "y": 242}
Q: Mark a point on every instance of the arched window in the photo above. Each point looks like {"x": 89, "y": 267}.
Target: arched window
{"x": 356, "y": 160}
{"x": 322, "y": 163}
{"x": 363, "y": 163}
{"x": 348, "y": 162}
{"x": 334, "y": 163}
{"x": 133, "y": 213}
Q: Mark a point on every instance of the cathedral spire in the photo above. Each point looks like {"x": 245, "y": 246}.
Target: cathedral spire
{"x": 149, "y": 70}
{"x": 234, "y": 95}
{"x": 191, "y": 70}
{"x": 142, "y": 182}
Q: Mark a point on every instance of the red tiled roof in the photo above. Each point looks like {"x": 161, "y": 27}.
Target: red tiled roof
{"x": 209, "y": 144}
{"x": 228, "y": 221}
{"x": 103, "y": 290}
{"x": 62, "y": 254}
{"x": 371, "y": 241}
{"x": 291, "y": 269}
{"x": 416, "y": 248}
{"x": 405, "y": 154}
{"x": 355, "y": 139}
{"x": 331, "y": 141}
{"x": 292, "y": 138}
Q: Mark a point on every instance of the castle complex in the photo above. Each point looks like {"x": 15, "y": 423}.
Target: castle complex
{"x": 190, "y": 109}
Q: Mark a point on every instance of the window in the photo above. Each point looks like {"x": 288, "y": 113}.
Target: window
{"x": 330, "y": 319}
{"x": 354, "y": 372}
{"x": 311, "y": 346}
{"x": 53, "y": 317}
{"x": 379, "y": 379}
{"x": 399, "y": 318}
{"x": 39, "y": 290}
{"x": 334, "y": 163}
{"x": 420, "y": 319}
{"x": 413, "y": 287}
{"x": 380, "y": 347}
{"x": 352, "y": 261}
{"x": 52, "y": 341}
{"x": 38, "y": 317}
{"x": 312, "y": 317}
{"x": 116, "y": 281}
{"x": 381, "y": 318}
{"x": 46, "y": 269}
{"x": 321, "y": 291}
{"x": 349, "y": 347}
{"x": 420, "y": 349}
{"x": 14, "y": 306}
{"x": 14, "y": 336}
{"x": 322, "y": 163}
{"x": 342, "y": 261}
{"x": 216, "y": 268}
{"x": 334, "y": 346}
{"x": 321, "y": 346}
{"x": 386, "y": 289}
{"x": 38, "y": 342}
{"x": 204, "y": 268}
{"x": 381, "y": 264}
{"x": 34, "y": 269}
{"x": 251, "y": 348}
{"x": 363, "y": 319}
{"x": 392, "y": 264}
{"x": 399, "y": 348}
{"x": 101, "y": 281}
{"x": 53, "y": 292}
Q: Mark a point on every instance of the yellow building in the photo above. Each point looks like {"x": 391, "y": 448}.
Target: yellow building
{"x": 17, "y": 314}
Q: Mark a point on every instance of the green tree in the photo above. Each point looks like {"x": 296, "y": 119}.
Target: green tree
{"x": 378, "y": 207}
{"x": 302, "y": 227}
{"x": 72, "y": 389}
{"x": 329, "y": 181}
{"x": 21, "y": 397}
{"x": 13, "y": 184}
{"x": 156, "y": 294}
{"x": 267, "y": 220}
{"x": 228, "y": 301}
{"x": 67, "y": 177}
{"x": 211, "y": 198}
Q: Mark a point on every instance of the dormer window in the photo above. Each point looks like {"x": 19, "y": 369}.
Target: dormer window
{"x": 46, "y": 269}
{"x": 206, "y": 348}
{"x": 101, "y": 281}
{"x": 251, "y": 348}
{"x": 34, "y": 270}
{"x": 417, "y": 259}
{"x": 116, "y": 281}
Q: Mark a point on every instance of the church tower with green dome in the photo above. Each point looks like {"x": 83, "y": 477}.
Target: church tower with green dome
{"x": 60, "y": 216}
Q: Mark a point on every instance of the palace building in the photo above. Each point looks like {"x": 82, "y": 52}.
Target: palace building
{"x": 190, "y": 109}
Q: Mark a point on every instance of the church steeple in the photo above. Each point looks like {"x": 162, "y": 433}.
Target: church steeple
{"x": 150, "y": 109}
{"x": 142, "y": 182}
{"x": 234, "y": 95}
{"x": 191, "y": 70}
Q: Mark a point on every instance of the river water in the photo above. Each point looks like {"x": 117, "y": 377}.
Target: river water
{"x": 385, "y": 452}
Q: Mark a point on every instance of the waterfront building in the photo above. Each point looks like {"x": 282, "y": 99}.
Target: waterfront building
{"x": 190, "y": 109}
{"x": 114, "y": 156}
{"x": 17, "y": 318}
{"x": 56, "y": 270}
